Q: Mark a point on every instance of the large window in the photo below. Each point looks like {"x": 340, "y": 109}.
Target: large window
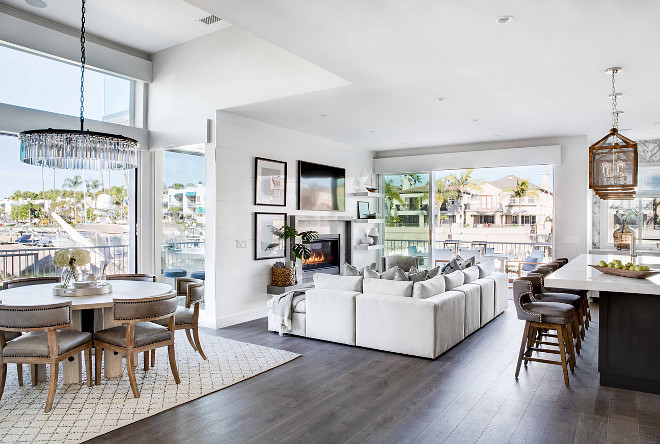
{"x": 182, "y": 212}
{"x": 407, "y": 215}
{"x": 34, "y": 81}
{"x": 43, "y": 210}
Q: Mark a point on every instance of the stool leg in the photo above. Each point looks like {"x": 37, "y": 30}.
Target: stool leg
{"x": 523, "y": 344}
{"x": 562, "y": 351}
{"x": 153, "y": 357}
{"x": 569, "y": 346}
{"x": 575, "y": 327}
{"x": 531, "y": 340}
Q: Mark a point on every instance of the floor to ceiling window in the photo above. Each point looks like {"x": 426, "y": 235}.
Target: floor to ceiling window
{"x": 407, "y": 215}
{"x": 181, "y": 212}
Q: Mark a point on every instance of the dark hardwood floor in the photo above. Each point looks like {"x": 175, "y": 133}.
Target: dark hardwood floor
{"x": 337, "y": 393}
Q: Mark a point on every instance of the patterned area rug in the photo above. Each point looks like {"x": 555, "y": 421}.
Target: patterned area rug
{"x": 80, "y": 412}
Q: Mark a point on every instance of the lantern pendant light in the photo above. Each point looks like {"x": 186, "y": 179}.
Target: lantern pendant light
{"x": 78, "y": 149}
{"x": 613, "y": 159}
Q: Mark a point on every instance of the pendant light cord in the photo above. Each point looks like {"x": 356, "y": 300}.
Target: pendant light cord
{"x": 82, "y": 67}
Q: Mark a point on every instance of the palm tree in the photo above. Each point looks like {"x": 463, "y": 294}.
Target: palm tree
{"x": 93, "y": 185}
{"x": 73, "y": 184}
{"x": 463, "y": 184}
{"x": 391, "y": 195}
{"x": 519, "y": 191}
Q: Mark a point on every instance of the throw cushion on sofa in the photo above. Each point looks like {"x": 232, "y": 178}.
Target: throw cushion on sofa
{"x": 393, "y": 274}
{"x": 453, "y": 265}
{"x": 400, "y": 275}
{"x": 351, "y": 270}
{"x": 433, "y": 272}
{"x": 369, "y": 273}
{"x": 389, "y": 274}
{"x": 471, "y": 274}
{"x": 416, "y": 275}
{"x": 485, "y": 269}
{"x": 324, "y": 281}
{"x": 467, "y": 263}
{"x": 388, "y": 287}
{"x": 453, "y": 280}
{"x": 428, "y": 288}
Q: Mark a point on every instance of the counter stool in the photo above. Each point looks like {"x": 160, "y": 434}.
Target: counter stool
{"x": 201, "y": 275}
{"x": 540, "y": 294}
{"x": 131, "y": 277}
{"x": 541, "y": 317}
{"x": 586, "y": 312}
{"x": 175, "y": 273}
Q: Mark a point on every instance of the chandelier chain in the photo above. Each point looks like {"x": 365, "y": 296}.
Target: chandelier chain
{"x": 82, "y": 67}
{"x": 615, "y": 111}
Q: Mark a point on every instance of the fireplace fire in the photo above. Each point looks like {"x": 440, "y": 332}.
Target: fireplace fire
{"x": 325, "y": 254}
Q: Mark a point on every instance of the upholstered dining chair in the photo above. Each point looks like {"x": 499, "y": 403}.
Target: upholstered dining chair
{"x": 137, "y": 334}
{"x": 540, "y": 318}
{"x": 9, "y": 335}
{"x": 131, "y": 277}
{"x": 23, "y": 282}
{"x": 187, "y": 318}
{"x": 46, "y": 342}
{"x": 15, "y": 283}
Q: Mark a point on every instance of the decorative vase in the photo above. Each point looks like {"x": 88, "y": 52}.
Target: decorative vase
{"x": 299, "y": 272}
{"x": 69, "y": 276}
{"x": 366, "y": 240}
{"x": 623, "y": 237}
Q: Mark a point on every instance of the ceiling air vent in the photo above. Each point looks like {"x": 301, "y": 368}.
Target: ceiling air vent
{"x": 209, "y": 20}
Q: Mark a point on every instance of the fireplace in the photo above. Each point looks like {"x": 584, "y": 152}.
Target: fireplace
{"x": 325, "y": 257}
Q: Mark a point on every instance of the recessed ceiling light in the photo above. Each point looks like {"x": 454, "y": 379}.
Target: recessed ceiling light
{"x": 504, "y": 20}
{"x": 372, "y": 131}
{"x": 475, "y": 120}
{"x": 441, "y": 98}
{"x": 496, "y": 135}
{"x": 37, "y": 3}
{"x": 324, "y": 115}
{"x": 656, "y": 123}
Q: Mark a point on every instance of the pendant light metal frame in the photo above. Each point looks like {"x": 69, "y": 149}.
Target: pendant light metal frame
{"x": 618, "y": 150}
{"x": 78, "y": 149}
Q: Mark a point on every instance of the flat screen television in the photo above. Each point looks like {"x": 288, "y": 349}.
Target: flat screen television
{"x": 321, "y": 187}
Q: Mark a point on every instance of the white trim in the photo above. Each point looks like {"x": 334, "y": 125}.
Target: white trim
{"x": 506, "y": 157}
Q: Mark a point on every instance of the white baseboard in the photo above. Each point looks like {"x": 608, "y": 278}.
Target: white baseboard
{"x": 234, "y": 318}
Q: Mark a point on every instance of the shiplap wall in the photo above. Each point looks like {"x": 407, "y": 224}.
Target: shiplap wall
{"x": 240, "y": 281}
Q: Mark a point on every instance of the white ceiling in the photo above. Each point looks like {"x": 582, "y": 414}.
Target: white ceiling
{"x": 147, "y": 25}
{"x": 542, "y": 75}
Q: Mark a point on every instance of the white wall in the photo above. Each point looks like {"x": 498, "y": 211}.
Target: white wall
{"x": 240, "y": 281}
{"x": 571, "y": 183}
{"x": 228, "y": 68}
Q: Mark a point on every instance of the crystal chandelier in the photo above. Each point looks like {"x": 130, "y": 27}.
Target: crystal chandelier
{"x": 613, "y": 159}
{"x": 78, "y": 149}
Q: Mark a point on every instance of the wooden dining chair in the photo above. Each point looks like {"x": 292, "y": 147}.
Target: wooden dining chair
{"x": 15, "y": 283}
{"x": 187, "y": 318}
{"x": 137, "y": 334}
{"x": 131, "y": 277}
{"x": 9, "y": 335}
{"x": 45, "y": 343}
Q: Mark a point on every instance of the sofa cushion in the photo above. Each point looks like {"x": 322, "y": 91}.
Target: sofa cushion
{"x": 35, "y": 344}
{"x": 471, "y": 274}
{"x": 430, "y": 287}
{"x": 334, "y": 282}
{"x": 387, "y": 287}
{"x": 453, "y": 280}
{"x": 145, "y": 333}
{"x": 485, "y": 269}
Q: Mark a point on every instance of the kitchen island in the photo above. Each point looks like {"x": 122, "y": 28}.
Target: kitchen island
{"x": 628, "y": 320}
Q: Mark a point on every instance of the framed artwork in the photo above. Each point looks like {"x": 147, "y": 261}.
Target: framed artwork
{"x": 267, "y": 244}
{"x": 270, "y": 182}
{"x": 363, "y": 210}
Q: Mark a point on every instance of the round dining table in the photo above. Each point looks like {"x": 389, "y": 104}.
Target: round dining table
{"x": 99, "y": 305}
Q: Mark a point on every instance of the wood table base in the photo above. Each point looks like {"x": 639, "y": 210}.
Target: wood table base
{"x": 72, "y": 367}
{"x": 629, "y": 341}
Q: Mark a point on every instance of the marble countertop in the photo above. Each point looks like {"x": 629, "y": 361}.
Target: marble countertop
{"x": 578, "y": 275}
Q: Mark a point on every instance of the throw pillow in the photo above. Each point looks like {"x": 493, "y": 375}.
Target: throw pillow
{"x": 453, "y": 265}
{"x": 389, "y": 274}
{"x": 485, "y": 269}
{"x": 471, "y": 274}
{"x": 369, "y": 273}
{"x": 433, "y": 272}
{"x": 529, "y": 267}
{"x": 467, "y": 263}
{"x": 400, "y": 275}
{"x": 349, "y": 270}
{"x": 416, "y": 275}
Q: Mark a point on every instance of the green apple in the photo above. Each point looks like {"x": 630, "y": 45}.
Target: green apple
{"x": 618, "y": 266}
{"x": 602, "y": 264}
{"x": 629, "y": 264}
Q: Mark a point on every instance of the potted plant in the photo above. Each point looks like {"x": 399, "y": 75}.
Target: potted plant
{"x": 298, "y": 250}
{"x": 623, "y": 235}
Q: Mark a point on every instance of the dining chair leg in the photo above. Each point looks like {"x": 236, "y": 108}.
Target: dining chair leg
{"x": 3, "y": 378}
{"x": 175, "y": 371}
{"x": 190, "y": 339}
{"x": 88, "y": 366}
{"x": 146, "y": 360}
{"x": 153, "y": 357}
{"x": 523, "y": 346}
{"x": 131, "y": 374}
{"x": 562, "y": 352}
{"x": 98, "y": 361}
{"x": 52, "y": 385}
{"x": 34, "y": 374}
{"x": 19, "y": 370}
{"x": 199, "y": 344}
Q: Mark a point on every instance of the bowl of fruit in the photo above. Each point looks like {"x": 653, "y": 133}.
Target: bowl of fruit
{"x": 629, "y": 270}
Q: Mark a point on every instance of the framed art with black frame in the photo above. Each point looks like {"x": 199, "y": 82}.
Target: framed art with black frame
{"x": 363, "y": 210}
{"x": 267, "y": 245}
{"x": 269, "y": 182}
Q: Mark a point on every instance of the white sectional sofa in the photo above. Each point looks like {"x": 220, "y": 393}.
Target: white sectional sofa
{"x": 423, "y": 318}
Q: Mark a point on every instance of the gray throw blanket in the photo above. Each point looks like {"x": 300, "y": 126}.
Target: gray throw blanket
{"x": 283, "y": 306}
